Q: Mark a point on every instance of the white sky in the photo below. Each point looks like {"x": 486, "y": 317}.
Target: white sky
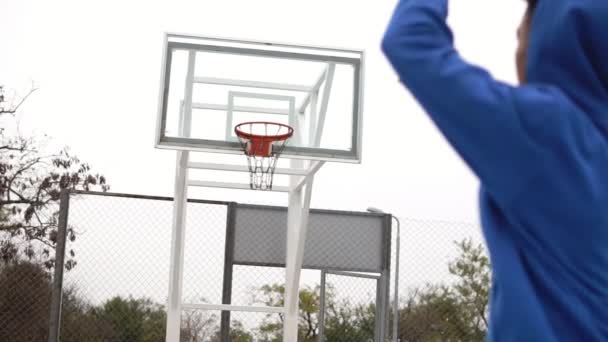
{"x": 97, "y": 65}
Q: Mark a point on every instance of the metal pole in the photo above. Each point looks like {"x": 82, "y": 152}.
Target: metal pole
{"x": 386, "y": 278}
{"x": 298, "y": 211}
{"x": 322, "y": 307}
{"x": 180, "y": 205}
{"x": 176, "y": 267}
{"x": 294, "y": 220}
{"x": 381, "y": 307}
{"x": 57, "y": 292}
{"x": 228, "y": 269}
{"x": 329, "y": 79}
{"x": 395, "y": 333}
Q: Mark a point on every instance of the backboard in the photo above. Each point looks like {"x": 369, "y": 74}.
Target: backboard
{"x": 209, "y": 85}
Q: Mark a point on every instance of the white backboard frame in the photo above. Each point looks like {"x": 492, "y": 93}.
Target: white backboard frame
{"x": 355, "y": 58}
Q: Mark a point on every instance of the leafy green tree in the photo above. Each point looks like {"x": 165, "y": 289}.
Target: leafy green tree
{"x": 347, "y": 322}
{"x": 25, "y": 296}
{"x": 450, "y": 313}
{"x": 25, "y": 292}
{"x": 344, "y": 321}
{"x": 79, "y": 321}
{"x": 472, "y": 289}
{"x": 431, "y": 314}
{"x": 198, "y": 326}
{"x": 237, "y": 333}
{"x": 274, "y": 295}
{"x": 137, "y": 320}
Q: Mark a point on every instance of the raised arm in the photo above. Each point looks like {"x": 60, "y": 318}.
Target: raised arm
{"x": 477, "y": 114}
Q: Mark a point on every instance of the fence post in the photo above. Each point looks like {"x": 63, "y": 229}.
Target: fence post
{"x": 383, "y": 284}
{"x": 322, "y": 305}
{"x": 381, "y": 308}
{"x": 228, "y": 269}
{"x": 56, "y": 295}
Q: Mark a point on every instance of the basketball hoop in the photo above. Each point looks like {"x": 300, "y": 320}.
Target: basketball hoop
{"x": 262, "y": 143}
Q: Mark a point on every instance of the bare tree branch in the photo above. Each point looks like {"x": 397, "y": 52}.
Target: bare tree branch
{"x": 14, "y": 109}
{"x": 30, "y": 183}
{"x": 10, "y": 148}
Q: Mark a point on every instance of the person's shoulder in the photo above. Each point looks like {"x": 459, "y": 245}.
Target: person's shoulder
{"x": 532, "y": 100}
{"x": 555, "y": 119}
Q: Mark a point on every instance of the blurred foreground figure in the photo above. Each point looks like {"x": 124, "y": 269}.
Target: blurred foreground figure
{"x": 540, "y": 151}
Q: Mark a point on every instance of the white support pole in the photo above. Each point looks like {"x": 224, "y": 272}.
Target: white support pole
{"x": 295, "y": 211}
{"x": 294, "y": 214}
{"x": 174, "y": 303}
{"x": 316, "y": 166}
{"x": 313, "y": 118}
{"x": 298, "y": 122}
{"x": 186, "y": 121}
{"x": 297, "y": 227}
{"x": 314, "y": 90}
{"x": 324, "y": 104}
{"x": 180, "y": 123}
{"x": 177, "y": 248}
{"x": 230, "y": 117}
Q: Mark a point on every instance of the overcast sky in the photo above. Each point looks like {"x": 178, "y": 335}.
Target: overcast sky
{"x": 97, "y": 65}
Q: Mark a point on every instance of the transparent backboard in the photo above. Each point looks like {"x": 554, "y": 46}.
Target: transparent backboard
{"x": 209, "y": 85}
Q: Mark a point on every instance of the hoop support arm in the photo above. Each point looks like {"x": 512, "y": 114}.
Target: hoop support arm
{"x": 316, "y": 166}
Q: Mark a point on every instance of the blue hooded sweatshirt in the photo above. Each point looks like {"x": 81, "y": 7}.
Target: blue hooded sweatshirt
{"x": 541, "y": 153}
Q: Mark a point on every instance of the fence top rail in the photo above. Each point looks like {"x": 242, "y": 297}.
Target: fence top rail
{"x": 366, "y": 275}
{"x": 145, "y": 197}
{"x": 240, "y": 205}
{"x": 333, "y": 271}
{"x": 313, "y": 210}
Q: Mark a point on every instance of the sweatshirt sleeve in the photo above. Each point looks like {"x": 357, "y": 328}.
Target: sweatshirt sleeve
{"x": 478, "y": 115}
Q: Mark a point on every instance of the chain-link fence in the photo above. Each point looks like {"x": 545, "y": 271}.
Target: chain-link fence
{"x": 25, "y": 295}
{"x": 444, "y": 282}
{"x": 116, "y": 275}
{"x": 348, "y": 307}
{"x": 26, "y": 273}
